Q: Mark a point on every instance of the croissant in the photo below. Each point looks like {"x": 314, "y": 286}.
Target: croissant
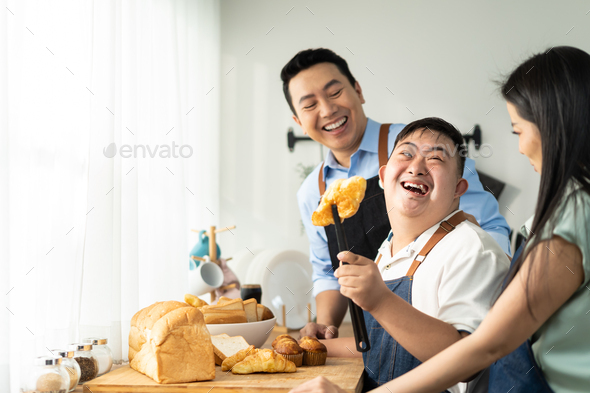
{"x": 231, "y": 361}
{"x": 346, "y": 194}
{"x": 264, "y": 361}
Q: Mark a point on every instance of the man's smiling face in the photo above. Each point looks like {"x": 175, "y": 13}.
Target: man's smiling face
{"x": 329, "y": 109}
{"x": 421, "y": 176}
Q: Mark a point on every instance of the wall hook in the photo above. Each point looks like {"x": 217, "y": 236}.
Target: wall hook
{"x": 475, "y": 136}
{"x": 292, "y": 139}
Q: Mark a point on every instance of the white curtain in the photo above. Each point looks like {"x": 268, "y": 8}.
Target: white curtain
{"x": 88, "y": 238}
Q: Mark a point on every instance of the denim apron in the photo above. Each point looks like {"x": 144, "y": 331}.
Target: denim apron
{"x": 365, "y": 230}
{"x": 387, "y": 359}
{"x": 518, "y": 371}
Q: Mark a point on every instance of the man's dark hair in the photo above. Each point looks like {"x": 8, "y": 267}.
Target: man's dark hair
{"x": 442, "y": 127}
{"x": 306, "y": 59}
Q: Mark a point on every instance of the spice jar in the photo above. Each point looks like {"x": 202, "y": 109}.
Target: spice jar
{"x": 86, "y": 360}
{"x": 102, "y": 352}
{"x": 69, "y": 364}
{"x": 48, "y": 375}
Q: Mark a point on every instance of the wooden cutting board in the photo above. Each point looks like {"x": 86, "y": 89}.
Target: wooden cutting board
{"x": 345, "y": 372}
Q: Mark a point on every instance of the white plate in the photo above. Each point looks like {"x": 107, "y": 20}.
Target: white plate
{"x": 285, "y": 278}
{"x": 254, "y": 274}
{"x": 240, "y": 263}
{"x": 255, "y": 333}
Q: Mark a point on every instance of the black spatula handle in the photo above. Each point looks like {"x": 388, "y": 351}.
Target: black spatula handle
{"x": 356, "y": 313}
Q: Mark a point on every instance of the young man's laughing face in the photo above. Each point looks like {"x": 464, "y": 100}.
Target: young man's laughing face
{"x": 421, "y": 177}
{"x": 329, "y": 109}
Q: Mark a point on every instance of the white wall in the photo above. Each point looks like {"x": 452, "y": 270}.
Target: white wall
{"x": 438, "y": 58}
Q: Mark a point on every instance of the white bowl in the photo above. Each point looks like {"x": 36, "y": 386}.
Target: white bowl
{"x": 255, "y": 333}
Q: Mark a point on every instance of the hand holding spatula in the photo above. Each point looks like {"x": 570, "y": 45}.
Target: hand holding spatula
{"x": 342, "y": 200}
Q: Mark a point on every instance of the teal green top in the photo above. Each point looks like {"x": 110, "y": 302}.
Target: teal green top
{"x": 562, "y": 345}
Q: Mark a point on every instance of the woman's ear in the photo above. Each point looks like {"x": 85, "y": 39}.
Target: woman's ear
{"x": 461, "y": 187}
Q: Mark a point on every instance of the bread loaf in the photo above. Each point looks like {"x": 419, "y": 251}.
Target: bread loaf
{"x": 213, "y": 317}
{"x": 250, "y": 309}
{"x": 263, "y": 312}
{"x": 170, "y": 343}
{"x": 143, "y": 321}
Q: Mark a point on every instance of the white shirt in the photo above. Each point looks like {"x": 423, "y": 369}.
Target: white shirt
{"x": 458, "y": 280}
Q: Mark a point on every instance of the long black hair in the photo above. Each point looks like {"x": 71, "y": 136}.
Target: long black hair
{"x": 552, "y": 91}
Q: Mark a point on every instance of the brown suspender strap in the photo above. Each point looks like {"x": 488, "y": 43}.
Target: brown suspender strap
{"x": 383, "y": 138}
{"x": 444, "y": 228}
{"x": 321, "y": 181}
{"x": 382, "y": 151}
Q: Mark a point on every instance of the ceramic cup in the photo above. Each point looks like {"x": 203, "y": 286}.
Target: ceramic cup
{"x": 207, "y": 277}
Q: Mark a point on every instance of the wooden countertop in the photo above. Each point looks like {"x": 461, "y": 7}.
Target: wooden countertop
{"x": 346, "y": 372}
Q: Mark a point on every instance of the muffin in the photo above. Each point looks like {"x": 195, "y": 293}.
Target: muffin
{"x": 290, "y": 350}
{"x": 279, "y": 338}
{"x": 314, "y": 352}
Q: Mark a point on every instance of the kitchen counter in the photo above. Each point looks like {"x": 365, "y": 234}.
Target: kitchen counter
{"x": 346, "y": 372}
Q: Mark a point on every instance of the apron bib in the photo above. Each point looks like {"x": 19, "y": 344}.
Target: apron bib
{"x": 387, "y": 359}
{"x": 518, "y": 371}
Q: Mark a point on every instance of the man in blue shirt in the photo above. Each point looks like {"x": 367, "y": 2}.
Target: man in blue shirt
{"x": 326, "y": 102}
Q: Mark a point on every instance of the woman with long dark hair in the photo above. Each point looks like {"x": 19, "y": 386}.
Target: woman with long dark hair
{"x": 536, "y": 337}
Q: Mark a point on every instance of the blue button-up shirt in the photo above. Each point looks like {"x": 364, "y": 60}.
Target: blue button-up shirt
{"x": 365, "y": 162}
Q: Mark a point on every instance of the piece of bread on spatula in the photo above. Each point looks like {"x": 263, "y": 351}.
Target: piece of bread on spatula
{"x": 346, "y": 194}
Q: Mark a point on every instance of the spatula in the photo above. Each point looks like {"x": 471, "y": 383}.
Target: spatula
{"x": 356, "y": 313}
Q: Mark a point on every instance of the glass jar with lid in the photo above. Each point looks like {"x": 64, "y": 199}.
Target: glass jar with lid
{"x": 86, "y": 360}
{"x": 102, "y": 352}
{"x": 48, "y": 375}
{"x": 69, "y": 364}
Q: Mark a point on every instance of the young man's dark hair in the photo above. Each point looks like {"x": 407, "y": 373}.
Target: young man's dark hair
{"x": 306, "y": 59}
{"x": 442, "y": 127}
